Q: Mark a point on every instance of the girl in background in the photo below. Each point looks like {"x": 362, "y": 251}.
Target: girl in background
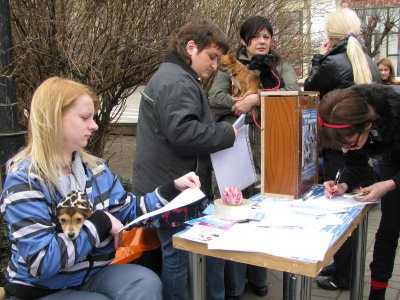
{"x": 386, "y": 69}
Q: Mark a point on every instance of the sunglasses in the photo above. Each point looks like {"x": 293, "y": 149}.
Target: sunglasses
{"x": 354, "y": 144}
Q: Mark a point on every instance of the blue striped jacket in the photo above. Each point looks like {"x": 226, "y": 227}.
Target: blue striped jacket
{"x": 40, "y": 254}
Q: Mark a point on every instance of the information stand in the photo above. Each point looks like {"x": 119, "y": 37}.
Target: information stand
{"x": 289, "y": 150}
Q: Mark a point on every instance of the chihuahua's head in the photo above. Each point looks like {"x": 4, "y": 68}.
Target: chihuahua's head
{"x": 229, "y": 63}
{"x": 72, "y": 211}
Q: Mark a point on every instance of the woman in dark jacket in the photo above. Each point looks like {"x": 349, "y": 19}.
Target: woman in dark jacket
{"x": 177, "y": 132}
{"x": 370, "y": 119}
{"x": 340, "y": 64}
{"x": 256, "y": 35}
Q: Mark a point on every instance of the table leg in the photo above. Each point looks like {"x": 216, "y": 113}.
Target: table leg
{"x": 358, "y": 261}
{"x": 197, "y": 265}
{"x": 305, "y": 292}
{"x": 290, "y": 287}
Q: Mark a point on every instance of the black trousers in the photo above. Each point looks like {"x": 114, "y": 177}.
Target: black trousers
{"x": 387, "y": 235}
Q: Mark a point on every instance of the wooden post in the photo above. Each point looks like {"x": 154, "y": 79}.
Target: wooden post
{"x": 289, "y": 150}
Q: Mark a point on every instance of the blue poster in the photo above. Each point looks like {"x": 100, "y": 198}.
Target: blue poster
{"x": 309, "y": 144}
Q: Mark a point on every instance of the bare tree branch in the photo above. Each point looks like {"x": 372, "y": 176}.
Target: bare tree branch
{"x": 114, "y": 46}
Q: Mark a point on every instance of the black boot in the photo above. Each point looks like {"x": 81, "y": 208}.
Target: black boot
{"x": 327, "y": 270}
{"x": 377, "y": 294}
{"x": 333, "y": 283}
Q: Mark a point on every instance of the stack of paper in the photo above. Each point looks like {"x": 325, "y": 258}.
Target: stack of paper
{"x": 234, "y": 166}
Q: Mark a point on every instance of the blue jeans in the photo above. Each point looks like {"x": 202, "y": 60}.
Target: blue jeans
{"x": 175, "y": 263}
{"x": 228, "y": 278}
{"x": 236, "y": 274}
{"x": 116, "y": 282}
{"x": 215, "y": 278}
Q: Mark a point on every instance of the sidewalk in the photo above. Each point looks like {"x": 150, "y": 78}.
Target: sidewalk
{"x": 121, "y": 155}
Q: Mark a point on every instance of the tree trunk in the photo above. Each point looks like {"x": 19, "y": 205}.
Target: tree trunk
{"x": 11, "y": 137}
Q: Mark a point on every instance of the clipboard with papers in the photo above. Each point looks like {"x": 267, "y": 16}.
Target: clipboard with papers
{"x": 235, "y": 166}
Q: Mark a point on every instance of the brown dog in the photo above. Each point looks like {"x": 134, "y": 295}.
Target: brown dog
{"x": 72, "y": 211}
{"x": 244, "y": 80}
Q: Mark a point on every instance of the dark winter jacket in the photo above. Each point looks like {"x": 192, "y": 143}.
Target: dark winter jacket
{"x": 176, "y": 134}
{"x": 385, "y": 134}
{"x": 333, "y": 70}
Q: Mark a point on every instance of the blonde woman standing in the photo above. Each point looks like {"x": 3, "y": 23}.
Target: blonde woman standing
{"x": 340, "y": 64}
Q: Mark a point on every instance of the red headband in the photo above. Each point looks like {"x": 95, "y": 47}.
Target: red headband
{"x": 336, "y": 126}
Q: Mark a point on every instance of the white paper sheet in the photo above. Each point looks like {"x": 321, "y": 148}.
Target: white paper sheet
{"x": 287, "y": 217}
{"x": 310, "y": 245}
{"x": 239, "y": 121}
{"x": 234, "y": 166}
{"x": 329, "y": 205}
{"x": 185, "y": 198}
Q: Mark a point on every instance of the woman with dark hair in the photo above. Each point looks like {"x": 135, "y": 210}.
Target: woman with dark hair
{"x": 256, "y": 38}
{"x": 366, "y": 118}
{"x": 256, "y": 35}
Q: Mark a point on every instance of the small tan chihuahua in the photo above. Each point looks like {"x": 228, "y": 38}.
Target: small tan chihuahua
{"x": 72, "y": 211}
{"x": 244, "y": 80}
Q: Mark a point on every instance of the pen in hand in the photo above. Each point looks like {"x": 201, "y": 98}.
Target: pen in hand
{"x": 336, "y": 182}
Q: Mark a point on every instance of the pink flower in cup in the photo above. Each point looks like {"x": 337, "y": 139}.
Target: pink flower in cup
{"x": 232, "y": 196}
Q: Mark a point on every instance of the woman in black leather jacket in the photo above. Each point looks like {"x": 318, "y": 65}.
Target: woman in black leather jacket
{"x": 333, "y": 70}
{"x": 340, "y": 64}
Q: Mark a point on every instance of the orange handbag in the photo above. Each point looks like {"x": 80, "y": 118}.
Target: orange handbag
{"x": 134, "y": 243}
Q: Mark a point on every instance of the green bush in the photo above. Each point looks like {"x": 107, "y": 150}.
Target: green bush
{"x": 126, "y": 183}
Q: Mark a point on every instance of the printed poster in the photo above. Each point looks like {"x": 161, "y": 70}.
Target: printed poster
{"x": 309, "y": 144}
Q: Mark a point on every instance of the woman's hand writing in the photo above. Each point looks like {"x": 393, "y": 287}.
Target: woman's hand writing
{"x": 334, "y": 190}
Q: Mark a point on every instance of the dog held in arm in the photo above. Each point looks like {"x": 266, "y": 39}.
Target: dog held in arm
{"x": 269, "y": 76}
{"x": 244, "y": 80}
{"x": 72, "y": 211}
